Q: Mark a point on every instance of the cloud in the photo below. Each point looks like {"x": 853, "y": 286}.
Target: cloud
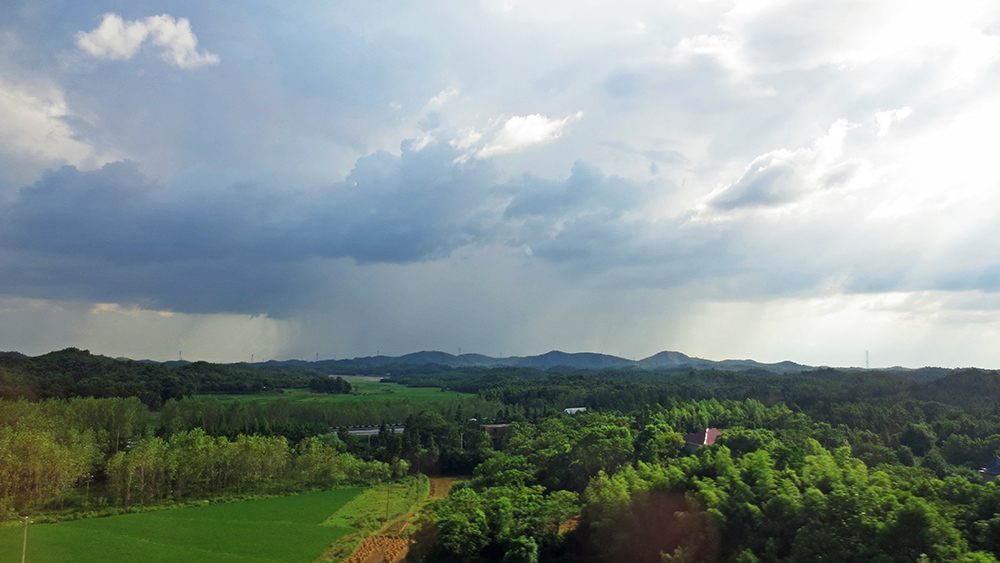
{"x": 519, "y": 132}
{"x": 885, "y": 119}
{"x": 113, "y": 235}
{"x": 442, "y": 97}
{"x": 785, "y": 176}
{"x": 762, "y": 43}
{"x": 35, "y": 125}
{"x": 724, "y": 47}
{"x": 262, "y": 187}
{"x": 113, "y": 39}
{"x": 37, "y": 327}
{"x": 116, "y": 39}
{"x": 586, "y": 191}
{"x": 599, "y": 227}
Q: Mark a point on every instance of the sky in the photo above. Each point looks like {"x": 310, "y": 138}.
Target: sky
{"x": 772, "y": 180}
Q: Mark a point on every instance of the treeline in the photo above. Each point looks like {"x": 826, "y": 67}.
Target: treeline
{"x": 440, "y": 437}
{"x": 47, "y": 448}
{"x": 50, "y": 450}
{"x": 432, "y": 442}
{"x": 629, "y": 388}
{"x": 330, "y": 385}
{"x": 287, "y": 418}
{"x": 194, "y": 464}
{"x": 78, "y": 373}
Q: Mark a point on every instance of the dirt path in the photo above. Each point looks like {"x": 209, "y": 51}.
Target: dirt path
{"x": 440, "y": 486}
{"x": 380, "y": 549}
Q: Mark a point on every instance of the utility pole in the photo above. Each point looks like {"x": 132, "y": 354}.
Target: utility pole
{"x": 24, "y": 546}
{"x": 388, "y": 491}
{"x": 87, "y": 479}
{"x": 866, "y": 359}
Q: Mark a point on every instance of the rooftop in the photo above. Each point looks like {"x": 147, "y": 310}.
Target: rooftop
{"x": 704, "y": 437}
{"x": 994, "y": 467}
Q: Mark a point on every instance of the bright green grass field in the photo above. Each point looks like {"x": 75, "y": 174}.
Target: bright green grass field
{"x": 369, "y": 391}
{"x": 281, "y": 529}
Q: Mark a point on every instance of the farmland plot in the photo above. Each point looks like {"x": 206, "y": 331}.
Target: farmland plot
{"x": 282, "y": 529}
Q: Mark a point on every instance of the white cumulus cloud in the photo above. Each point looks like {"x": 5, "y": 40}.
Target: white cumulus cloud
{"x": 113, "y": 39}
{"x": 523, "y": 131}
{"x": 117, "y": 39}
{"x": 785, "y": 176}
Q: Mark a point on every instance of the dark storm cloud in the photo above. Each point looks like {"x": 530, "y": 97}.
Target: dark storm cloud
{"x": 113, "y": 235}
{"x": 597, "y": 226}
{"x": 585, "y": 191}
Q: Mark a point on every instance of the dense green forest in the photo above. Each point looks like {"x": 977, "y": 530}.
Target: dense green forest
{"x": 826, "y": 465}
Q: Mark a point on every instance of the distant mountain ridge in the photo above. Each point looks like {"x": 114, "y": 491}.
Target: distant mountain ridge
{"x": 577, "y": 360}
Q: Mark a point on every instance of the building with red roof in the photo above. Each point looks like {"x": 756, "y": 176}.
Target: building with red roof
{"x": 701, "y": 438}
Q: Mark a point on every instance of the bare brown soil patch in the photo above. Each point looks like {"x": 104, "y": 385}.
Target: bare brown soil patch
{"x": 380, "y": 549}
{"x": 569, "y": 525}
{"x": 441, "y": 486}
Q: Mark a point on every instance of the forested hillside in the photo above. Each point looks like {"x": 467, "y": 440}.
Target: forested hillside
{"x": 548, "y": 360}
{"x": 78, "y": 373}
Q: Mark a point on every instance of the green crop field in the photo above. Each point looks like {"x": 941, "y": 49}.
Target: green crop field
{"x": 364, "y": 391}
{"x": 283, "y": 529}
